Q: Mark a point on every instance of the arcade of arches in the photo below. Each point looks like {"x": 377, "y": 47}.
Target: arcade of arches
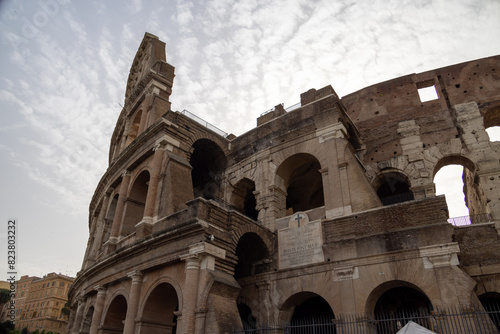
{"x": 325, "y": 210}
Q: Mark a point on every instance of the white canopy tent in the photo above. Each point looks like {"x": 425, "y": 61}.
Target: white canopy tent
{"x": 414, "y": 328}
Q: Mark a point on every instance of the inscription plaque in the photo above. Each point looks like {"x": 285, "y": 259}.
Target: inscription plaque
{"x": 301, "y": 243}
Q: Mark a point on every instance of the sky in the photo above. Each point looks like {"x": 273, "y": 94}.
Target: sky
{"x": 64, "y": 66}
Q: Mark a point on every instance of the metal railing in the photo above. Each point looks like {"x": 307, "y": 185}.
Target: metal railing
{"x": 201, "y": 121}
{"x": 452, "y": 320}
{"x": 471, "y": 219}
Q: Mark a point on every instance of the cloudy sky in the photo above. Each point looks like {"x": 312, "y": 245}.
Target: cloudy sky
{"x": 64, "y": 66}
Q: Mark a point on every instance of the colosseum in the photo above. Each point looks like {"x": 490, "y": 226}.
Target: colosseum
{"x": 323, "y": 217}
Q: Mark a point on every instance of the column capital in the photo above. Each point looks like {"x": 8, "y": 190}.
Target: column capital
{"x": 126, "y": 172}
{"x": 193, "y": 261}
{"x": 136, "y": 276}
{"x": 81, "y": 299}
{"x": 101, "y": 290}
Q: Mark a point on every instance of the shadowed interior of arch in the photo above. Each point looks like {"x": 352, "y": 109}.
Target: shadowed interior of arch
{"x": 300, "y": 177}
{"x": 115, "y": 316}
{"x": 208, "y": 162}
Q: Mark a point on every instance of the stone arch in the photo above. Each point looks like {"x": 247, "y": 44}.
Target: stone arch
{"x": 115, "y": 314}
{"x": 299, "y": 177}
{"x": 392, "y": 186}
{"x": 134, "y": 127}
{"x": 253, "y": 256}
{"x": 243, "y": 198}
{"x": 109, "y": 216}
{"x": 87, "y": 320}
{"x": 135, "y": 202}
{"x": 305, "y": 306}
{"x": 205, "y": 135}
{"x": 158, "y": 312}
{"x": 165, "y": 279}
{"x": 382, "y": 288}
{"x": 208, "y": 161}
{"x": 475, "y": 199}
{"x": 492, "y": 117}
{"x": 265, "y": 235}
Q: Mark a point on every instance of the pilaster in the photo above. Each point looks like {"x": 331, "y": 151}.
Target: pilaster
{"x": 133, "y": 302}
{"x": 99, "y": 307}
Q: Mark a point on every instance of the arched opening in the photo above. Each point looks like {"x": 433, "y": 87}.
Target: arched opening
{"x": 208, "y": 162}
{"x": 455, "y": 177}
{"x": 243, "y": 198}
{"x": 115, "y": 316}
{"x": 299, "y": 175}
{"x": 492, "y": 123}
{"x": 399, "y": 305}
{"x": 393, "y": 187}
{"x": 491, "y": 303}
{"x": 87, "y": 321}
{"x": 158, "y": 315}
{"x": 247, "y": 319}
{"x": 133, "y": 131}
{"x": 252, "y": 256}
{"x": 135, "y": 203}
{"x": 108, "y": 219}
{"x": 310, "y": 313}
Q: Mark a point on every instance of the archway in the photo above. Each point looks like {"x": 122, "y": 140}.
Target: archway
{"x": 243, "y": 198}
{"x": 115, "y": 316}
{"x": 135, "y": 203}
{"x": 309, "y": 313}
{"x": 252, "y": 256}
{"x": 87, "y": 321}
{"x": 208, "y": 162}
{"x": 398, "y": 304}
{"x": 299, "y": 175}
{"x": 393, "y": 187}
{"x": 491, "y": 303}
{"x": 158, "y": 315}
{"x": 108, "y": 219}
{"x": 455, "y": 177}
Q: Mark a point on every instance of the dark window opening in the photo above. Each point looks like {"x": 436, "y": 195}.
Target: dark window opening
{"x": 394, "y": 189}
{"x": 243, "y": 198}
{"x": 208, "y": 162}
{"x": 303, "y": 183}
{"x": 252, "y": 256}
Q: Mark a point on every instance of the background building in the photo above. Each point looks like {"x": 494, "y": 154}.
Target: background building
{"x": 40, "y": 302}
{"x": 327, "y": 208}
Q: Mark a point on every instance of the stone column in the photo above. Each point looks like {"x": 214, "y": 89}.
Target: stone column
{"x": 133, "y": 302}
{"x": 79, "y": 316}
{"x": 190, "y": 293}
{"x": 344, "y": 184}
{"x": 117, "y": 219}
{"x": 98, "y": 309}
{"x": 265, "y": 304}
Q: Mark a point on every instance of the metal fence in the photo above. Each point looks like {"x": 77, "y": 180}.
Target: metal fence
{"x": 472, "y": 219}
{"x": 201, "y": 121}
{"x": 461, "y": 319}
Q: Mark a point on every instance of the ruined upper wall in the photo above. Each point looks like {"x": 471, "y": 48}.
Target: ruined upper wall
{"x": 377, "y": 110}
